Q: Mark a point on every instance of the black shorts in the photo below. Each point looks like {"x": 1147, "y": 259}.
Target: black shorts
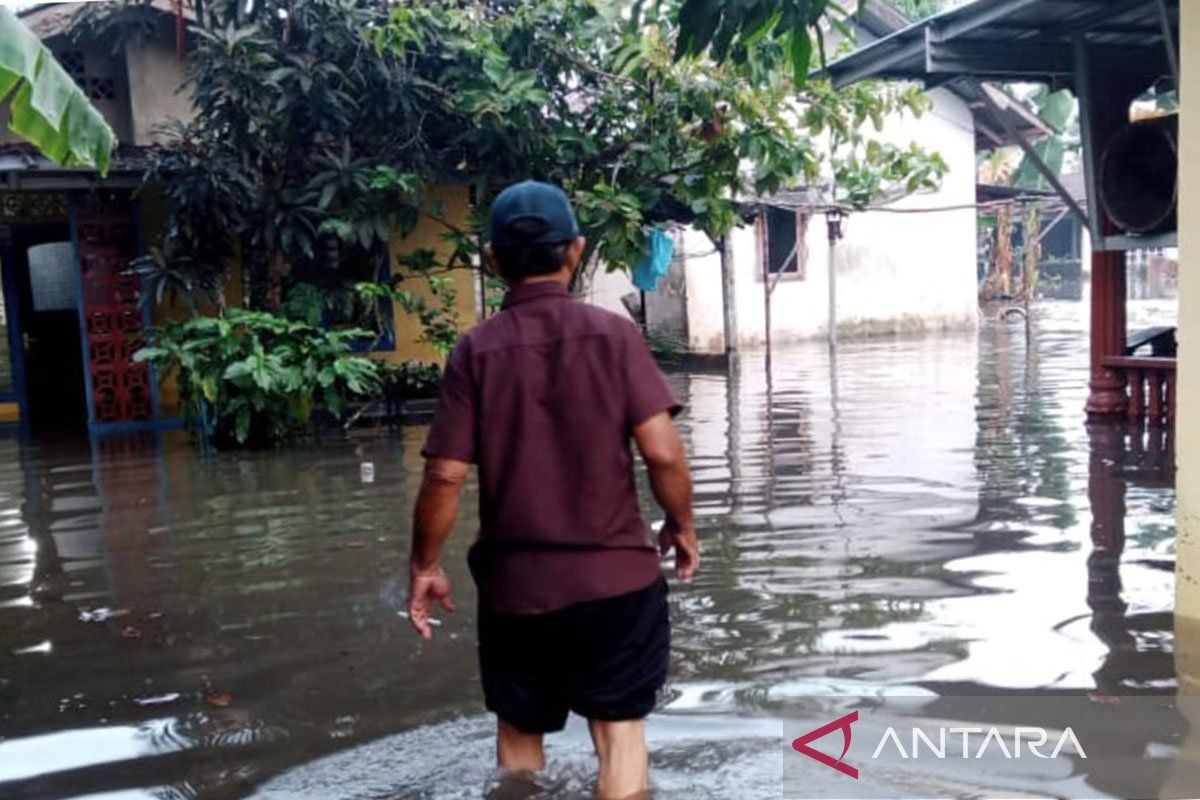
{"x": 603, "y": 659}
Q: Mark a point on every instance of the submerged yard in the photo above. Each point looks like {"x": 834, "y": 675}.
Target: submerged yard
{"x": 925, "y": 513}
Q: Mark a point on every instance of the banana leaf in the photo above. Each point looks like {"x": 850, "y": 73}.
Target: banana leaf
{"x": 46, "y": 107}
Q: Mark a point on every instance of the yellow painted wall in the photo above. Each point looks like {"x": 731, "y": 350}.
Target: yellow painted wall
{"x": 154, "y": 222}
{"x": 1187, "y": 430}
{"x": 455, "y": 202}
{"x": 10, "y": 412}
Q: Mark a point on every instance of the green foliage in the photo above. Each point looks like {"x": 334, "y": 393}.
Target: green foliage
{"x": 169, "y": 275}
{"x": 411, "y": 379}
{"x": 305, "y": 148}
{"x": 581, "y": 93}
{"x": 730, "y": 29}
{"x": 250, "y": 378}
{"x": 620, "y": 105}
{"x": 920, "y": 9}
{"x": 865, "y": 170}
{"x": 320, "y": 124}
{"x": 45, "y": 107}
{"x": 1056, "y": 109}
{"x": 440, "y": 322}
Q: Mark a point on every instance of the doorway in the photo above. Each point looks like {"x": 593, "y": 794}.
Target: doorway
{"x": 42, "y": 263}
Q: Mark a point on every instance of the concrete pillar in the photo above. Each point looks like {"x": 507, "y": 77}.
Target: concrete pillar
{"x": 1187, "y": 430}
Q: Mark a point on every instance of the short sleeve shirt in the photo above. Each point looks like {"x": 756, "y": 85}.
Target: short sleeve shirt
{"x": 543, "y": 398}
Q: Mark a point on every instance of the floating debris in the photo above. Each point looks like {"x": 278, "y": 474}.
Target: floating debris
{"x": 218, "y": 699}
{"x": 101, "y": 614}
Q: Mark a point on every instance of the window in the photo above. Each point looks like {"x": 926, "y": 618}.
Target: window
{"x": 783, "y": 250}
{"x": 52, "y": 276}
{"x": 96, "y": 87}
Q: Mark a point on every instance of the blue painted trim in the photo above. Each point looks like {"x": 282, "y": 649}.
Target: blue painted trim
{"x": 88, "y": 393}
{"x": 138, "y": 426}
{"x": 16, "y": 338}
{"x": 387, "y": 342}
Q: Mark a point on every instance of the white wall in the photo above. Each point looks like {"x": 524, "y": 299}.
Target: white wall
{"x": 605, "y": 289}
{"x": 897, "y": 272}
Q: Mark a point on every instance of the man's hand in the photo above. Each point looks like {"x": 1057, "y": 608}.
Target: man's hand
{"x": 433, "y": 517}
{"x": 426, "y": 587}
{"x": 662, "y": 450}
{"x": 687, "y": 548}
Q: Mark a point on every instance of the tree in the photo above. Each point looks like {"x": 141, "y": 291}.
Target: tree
{"x": 731, "y": 30}
{"x": 310, "y": 150}
{"x": 920, "y": 9}
{"x": 1006, "y": 166}
{"x": 305, "y": 149}
{"x": 45, "y": 106}
{"x": 595, "y": 96}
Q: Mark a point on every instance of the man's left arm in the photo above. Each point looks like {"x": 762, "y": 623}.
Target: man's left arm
{"x": 433, "y": 519}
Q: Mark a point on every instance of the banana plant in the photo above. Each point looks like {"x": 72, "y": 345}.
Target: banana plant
{"x": 46, "y": 107}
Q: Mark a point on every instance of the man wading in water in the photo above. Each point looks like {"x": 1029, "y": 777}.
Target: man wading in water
{"x": 544, "y": 398}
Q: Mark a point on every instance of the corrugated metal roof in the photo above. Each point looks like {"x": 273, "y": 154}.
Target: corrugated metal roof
{"x": 1013, "y": 40}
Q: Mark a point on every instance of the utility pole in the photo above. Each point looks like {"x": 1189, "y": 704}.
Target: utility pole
{"x": 833, "y": 220}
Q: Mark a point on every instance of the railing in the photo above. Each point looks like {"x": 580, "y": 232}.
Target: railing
{"x": 1149, "y": 387}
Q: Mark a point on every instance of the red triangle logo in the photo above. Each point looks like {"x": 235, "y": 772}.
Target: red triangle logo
{"x": 801, "y": 745}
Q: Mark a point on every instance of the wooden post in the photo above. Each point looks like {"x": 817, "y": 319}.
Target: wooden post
{"x": 1105, "y": 86}
{"x": 1154, "y": 406}
{"x": 1137, "y": 394}
{"x": 1107, "y": 389}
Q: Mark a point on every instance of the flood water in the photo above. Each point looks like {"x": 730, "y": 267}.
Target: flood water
{"x": 927, "y": 513}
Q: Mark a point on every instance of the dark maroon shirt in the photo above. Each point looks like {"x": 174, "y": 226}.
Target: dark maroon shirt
{"x": 543, "y": 398}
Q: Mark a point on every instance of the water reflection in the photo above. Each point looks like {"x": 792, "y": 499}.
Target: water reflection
{"x": 926, "y": 513}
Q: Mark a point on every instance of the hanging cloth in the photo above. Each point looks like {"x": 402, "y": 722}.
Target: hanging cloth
{"x": 656, "y": 263}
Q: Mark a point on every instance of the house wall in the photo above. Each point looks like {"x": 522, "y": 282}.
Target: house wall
{"x": 408, "y": 328}
{"x": 146, "y": 80}
{"x": 896, "y": 272}
{"x": 456, "y": 204}
{"x": 155, "y": 75}
{"x": 1187, "y": 431}
{"x": 98, "y": 67}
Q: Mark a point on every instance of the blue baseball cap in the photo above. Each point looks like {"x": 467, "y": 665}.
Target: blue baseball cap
{"x": 532, "y": 212}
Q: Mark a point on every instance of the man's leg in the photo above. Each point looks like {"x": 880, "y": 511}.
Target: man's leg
{"x": 517, "y": 751}
{"x": 624, "y": 761}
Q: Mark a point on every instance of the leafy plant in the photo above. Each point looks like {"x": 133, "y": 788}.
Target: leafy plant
{"x": 320, "y": 125}
{"x": 920, "y": 9}
{"x": 44, "y": 105}
{"x": 411, "y": 379}
{"x": 440, "y": 320}
{"x": 731, "y": 28}
{"x": 250, "y": 378}
{"x": 642, "y": 115}
{"x": 174, "y": 276}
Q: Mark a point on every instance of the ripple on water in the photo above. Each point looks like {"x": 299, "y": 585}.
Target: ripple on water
{"x": 913, "y": 517}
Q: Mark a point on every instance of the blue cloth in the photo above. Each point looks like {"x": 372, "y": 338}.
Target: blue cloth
{"x": 655, "y": 264}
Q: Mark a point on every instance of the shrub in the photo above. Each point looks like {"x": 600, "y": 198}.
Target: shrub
{"x": 411, "y": 380}
{"x": 253, "y": 379}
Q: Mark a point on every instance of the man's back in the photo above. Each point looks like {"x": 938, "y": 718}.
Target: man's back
{"x": 543, "y": 397}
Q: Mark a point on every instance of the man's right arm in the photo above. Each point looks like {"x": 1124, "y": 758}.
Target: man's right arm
{"x": 662, "y": 449}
